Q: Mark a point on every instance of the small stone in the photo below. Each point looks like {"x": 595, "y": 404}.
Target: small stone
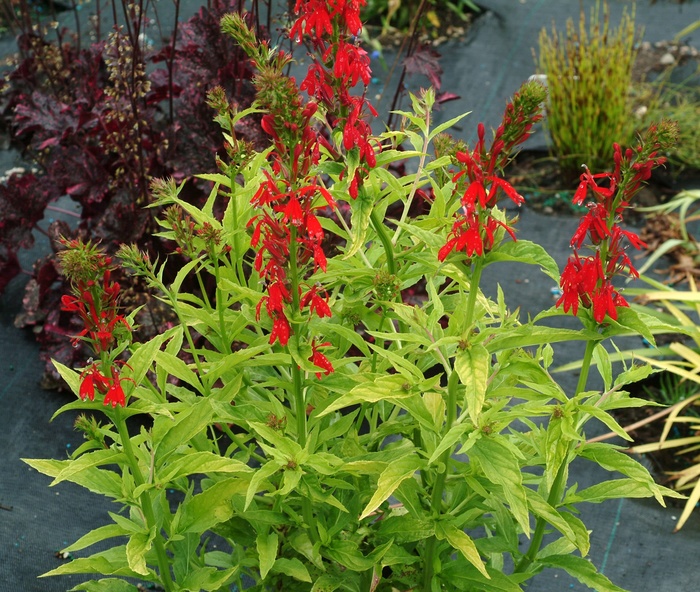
{"x": 667, "y": 59}
{"x": 641, "y": 111}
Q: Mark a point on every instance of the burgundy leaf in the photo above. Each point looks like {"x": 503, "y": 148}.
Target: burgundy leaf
{"x": 425, "y": 60}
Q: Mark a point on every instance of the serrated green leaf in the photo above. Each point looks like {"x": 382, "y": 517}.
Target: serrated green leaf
{"x": 583, "y": 570}
{"x": 293, "y": 568}
{"x": 200, "y": 462}
{"x": 190, "y": 422}
{"x": 210, "y": 507}
{"x": 612, "y": 459}
{"x": 327, "y": 583}
{"x": 88, "y": 461}
{"x": 602, "y": 362}
{"x": 136, "y": 548}
{"x": 259, "y": 477}
{"x": 463, "y": 543}
{"x": 524, "y": 251}
{"x": 95, "y": 536}
{"x": 472, "y": 365}
{"x": 500, "y": 465}
{"x": 177, "y": 368}
{"x": 542, "y": 509}
{"x": 267, "y": 545}
{"x": 105, "y": 585}
{"x": 111, "y": 562}
{"x": 348, "y": 554}
{"x": 382, "y": 387}
{"x": 359, "y": 222}
{"x": 607, "y": 419}
{"x": 391, "y": 477}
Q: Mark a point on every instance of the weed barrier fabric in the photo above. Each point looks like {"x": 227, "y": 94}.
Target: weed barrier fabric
{"x": 631, "y": 540}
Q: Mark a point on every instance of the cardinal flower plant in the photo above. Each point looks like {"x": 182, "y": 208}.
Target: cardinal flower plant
{"x": 338, "y": 405}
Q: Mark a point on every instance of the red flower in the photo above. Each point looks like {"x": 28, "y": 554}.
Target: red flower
{"x": 280, "y": 329}
{"x": 319, "y": 360}
{"x": 115, "y": 393}
{"x": 87, "y": 387}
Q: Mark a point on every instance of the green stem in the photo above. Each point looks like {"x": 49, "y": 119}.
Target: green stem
{"x": 473, "y": 292}
{"x": 385, "y": 240}
{"x": 145, "y": 501}
{"x": 559, "y": 484}
{"x": 439, "y": 487}
{"x": 298, "y": 379}
{"x": 225, "y": 344}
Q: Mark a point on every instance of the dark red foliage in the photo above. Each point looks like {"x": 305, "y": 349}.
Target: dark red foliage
{"x": 98, "y": 131}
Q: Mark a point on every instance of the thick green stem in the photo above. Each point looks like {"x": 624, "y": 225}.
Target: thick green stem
{"x": 385, "y": 240}
{"x": 225, "y": 344}
{"x": 473, "y": 292}
{"x": 439, "y": 487}
{"x": 297, "y": 378}
{"x": 559, "y": 484}
{"x": 145, "y": 502}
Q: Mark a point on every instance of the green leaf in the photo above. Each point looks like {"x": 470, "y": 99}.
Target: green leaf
{"x": 140, "y": 362}
{"x": 542, "y": 509}
{"x": 530, "y": 335}
{"x": 208, "y": 578}
{"x": 453, "y": 435}
{"x": 327, "y": 583}
{"x": 612, "y": 489}
{"x": 472, "y": 365}
{"x": 359, "y": 222}
{"x": 259, "y": 477}
{"x": 105, "y": 585}
{"x": 633, "y": 374}
{"x": 71, "y": 377}
{"x": 88, "y": 461}
{"x": 136, "y": 548}
{"x": 97, "y": 535}
{"x": 293, "y": 568}
{"x": 391, "y": 477}
{"x": 348, "y": 554}
{"x": 524, "y": 251}
{"x": 633, "y": 321}
{"x": 170, "y": 435}
{"x": 267, "y": 545}
{"x": 382, "y": 387}
{"x": 209, "y": 508}
{"x": 111, "y": 562}
{"x": 607, "y": 419}
{"x": 612, "y": 459}
{"x": 464, "y": 576}
{"x": 500, "y": 465}
{"x": 200, "y": 462}
{"x": 177, "y": 368}
{"x": 406, "y": 528}
{"x": 461, "y": 541}
{"x": 581, "y": 569}
{"x": 602, "y": 361}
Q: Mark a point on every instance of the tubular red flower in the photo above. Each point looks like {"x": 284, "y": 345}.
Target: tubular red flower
{"x": 115, "y": 394}
{"x": 319, "y": 360}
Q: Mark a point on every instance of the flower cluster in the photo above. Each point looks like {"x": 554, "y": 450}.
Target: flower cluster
{"x": 474, "y": 229}
{"x": 286, "y": 233}
{"x": 337, "y": 68}
{"x": 95, "y": 300}
{"x": 588, "y": 280}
